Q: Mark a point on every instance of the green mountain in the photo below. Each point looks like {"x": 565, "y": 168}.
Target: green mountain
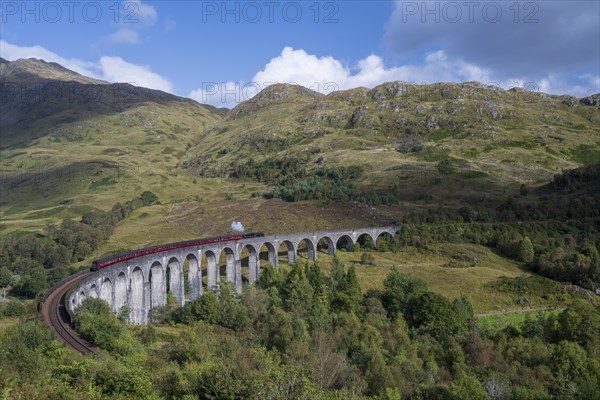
{"x": 69, "y": 143}
{"x": 71, "y": 140}
{"x": 508, "y": 136}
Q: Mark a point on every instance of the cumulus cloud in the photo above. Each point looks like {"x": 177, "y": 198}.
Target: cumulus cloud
{"x": 111, "y": 69}
{"x": 124, "y": 36}
{"x": 326, "y": 74}
{"x": 115, "y": 69}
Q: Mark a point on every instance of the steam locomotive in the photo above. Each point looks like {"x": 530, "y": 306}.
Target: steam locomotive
{"x": 110, "y": 260}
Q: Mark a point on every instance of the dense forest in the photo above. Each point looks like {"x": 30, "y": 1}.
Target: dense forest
{"x": 303, "y": 335}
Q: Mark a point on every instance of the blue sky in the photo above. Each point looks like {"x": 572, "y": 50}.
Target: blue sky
{"x": 223, "y": 52}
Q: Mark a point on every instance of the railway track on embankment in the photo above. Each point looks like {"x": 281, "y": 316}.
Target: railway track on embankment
{"x": 53, "y": 313}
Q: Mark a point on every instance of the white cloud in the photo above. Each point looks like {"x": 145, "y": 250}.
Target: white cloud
{"x": 111, "y": 69}
{"x": 145, "y": 14}
{"x": 115, "y": 69}
{"x": 133, "y": 16}
{"x": 224, "y": 94}
{"x": 124, "y": 36}
{"x": 297, "y": 66}
{"x": 326, "y": 74}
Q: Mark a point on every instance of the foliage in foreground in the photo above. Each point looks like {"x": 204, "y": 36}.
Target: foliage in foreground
{"x": 303, "y": 335}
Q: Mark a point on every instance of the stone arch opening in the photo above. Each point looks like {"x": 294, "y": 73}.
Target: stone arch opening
{"x": 286, "y": 250}
{"x": 93, "y": 292}
{"x": 212, "y": 269}
{"x": 158, "y": 293}
{"x": 306, "y": 249}
{"x": 81, "y": 297}
{"x": 120, "y": 292}
{"x": 227, "y": 265}
{"x": 384, "y": 241}
{"x": 365, "y": 242}
{"x": 185, "y": 269}
{"x": 194, "y": 277}
{"x": 136, "y": 305}
{"x": 267, "y": 255}
{"x": 174, "y": 278}
{"x": 249, "y": 263}
{"x": 344, "y": 243}
{"x": 106, "y": 292}
{"x": 326, "y": 245}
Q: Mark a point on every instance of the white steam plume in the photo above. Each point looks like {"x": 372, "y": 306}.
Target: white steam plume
{"x": 237, "y": 226}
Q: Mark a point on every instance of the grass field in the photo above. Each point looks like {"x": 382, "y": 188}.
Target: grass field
{"x": 514, "y": 318}
{"x": 473, "y": 282}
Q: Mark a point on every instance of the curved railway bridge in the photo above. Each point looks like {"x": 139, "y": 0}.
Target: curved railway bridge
{"x": 142, "y": 284}
{"x": 54, "y": 314}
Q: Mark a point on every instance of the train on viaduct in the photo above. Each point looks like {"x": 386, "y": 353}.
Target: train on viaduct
{"x": 141, "y": 283}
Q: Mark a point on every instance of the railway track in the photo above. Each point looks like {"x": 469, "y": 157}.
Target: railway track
{"x": 54, "y": 314}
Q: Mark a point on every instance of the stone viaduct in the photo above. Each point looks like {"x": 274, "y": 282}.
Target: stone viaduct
{"x": 142, "y": 284}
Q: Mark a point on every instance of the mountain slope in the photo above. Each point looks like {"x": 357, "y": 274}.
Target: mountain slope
{"x": 506, "y": 136}
{"x": 69, "y": 139}
{"x": 28, "y": 70}
{"x": 38, "y": 97}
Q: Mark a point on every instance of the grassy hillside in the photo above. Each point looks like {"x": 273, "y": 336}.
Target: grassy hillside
{"x": 69, "y": 143}
{"x": 398, "y": 133}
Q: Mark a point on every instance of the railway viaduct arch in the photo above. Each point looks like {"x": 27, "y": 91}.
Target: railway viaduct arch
{"x": 143, "y": 283}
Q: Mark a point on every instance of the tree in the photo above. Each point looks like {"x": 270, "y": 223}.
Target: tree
{"x": 233, "y": 312}
{"x": 399, "y": 290}
{"x": 345, "y": 289}
{"x": 523, "y": 190}
{"x": 297, "y": 292}
{"x": 34, "y": 283}
{"x": 352, "y": 294}
{"x": 434, "y": 314}
{"x": 367, "y": 259}
{"x": 148, "y": 198}
{"x": 97, "y": 323}
{"x": 495, "y": 388}
{"x": 468, "y": 387}
{"x": 525, "y": 251}
{"x": 463, "y": 305}
{"x": 5, "y": 277}
{"x": 338, "y": 284}
{"x": 570, "y": 364}
{"x": 205, "y": 308}
{"x": 23, "y": 348}
{"x": 317, "y": 281}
